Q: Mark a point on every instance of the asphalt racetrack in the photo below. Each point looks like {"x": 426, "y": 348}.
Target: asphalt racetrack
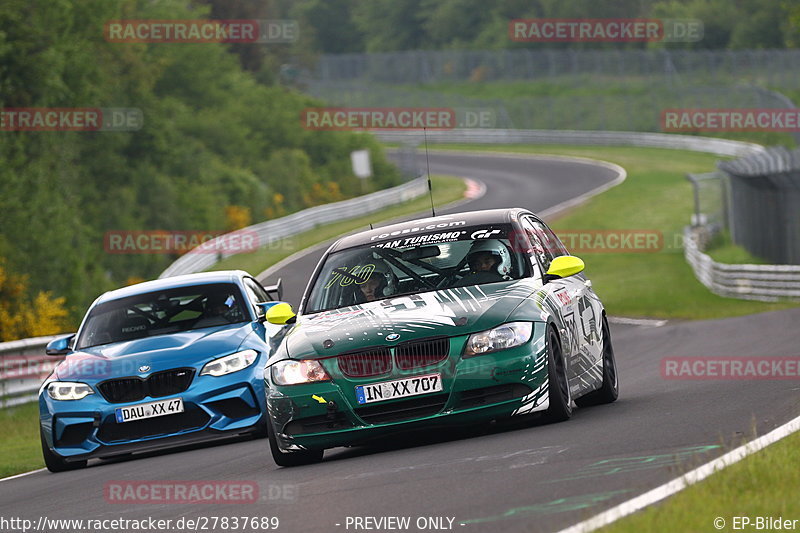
{"x": 522, "y": 477}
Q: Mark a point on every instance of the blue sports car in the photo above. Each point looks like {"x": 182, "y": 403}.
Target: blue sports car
{"x": 159, "y": 364}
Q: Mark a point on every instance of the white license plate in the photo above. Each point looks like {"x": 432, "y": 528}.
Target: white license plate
{"x": 399, "y": 388}
{"x": 149, "y": 410}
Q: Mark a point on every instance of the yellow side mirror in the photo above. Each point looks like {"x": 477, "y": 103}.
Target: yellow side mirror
{"x": 280, "y": 314}
{"x": 565, "y": 266}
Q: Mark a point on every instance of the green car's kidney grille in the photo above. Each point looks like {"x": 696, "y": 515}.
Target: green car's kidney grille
{"x": 407, "y": 356}
{"x": 421, "y": 354}
{"x": 366, "y": 364}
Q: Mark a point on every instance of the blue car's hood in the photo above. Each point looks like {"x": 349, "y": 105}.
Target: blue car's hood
{"x": 185, "y": 349}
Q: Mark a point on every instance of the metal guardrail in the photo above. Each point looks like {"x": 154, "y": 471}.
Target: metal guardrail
{"x": 576, "y": 137}
{"x": 23, "y": 367}
{"x": 655, "y": 66}
{"x": 767, "y": 283}
{"x": 274, "y": 230}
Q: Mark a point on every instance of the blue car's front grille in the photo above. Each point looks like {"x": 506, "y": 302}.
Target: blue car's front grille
{"x": 132, "y": 389}
{"x": 111, "y": 430}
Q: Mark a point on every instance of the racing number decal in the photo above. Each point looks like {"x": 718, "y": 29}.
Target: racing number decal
{"x": 588, "y": 320}
{"x": 363, "y": 272}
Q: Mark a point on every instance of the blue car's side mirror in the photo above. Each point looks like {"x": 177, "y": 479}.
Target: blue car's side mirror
{"x": 263, "y": 307}
{"x": 59, "y": 346}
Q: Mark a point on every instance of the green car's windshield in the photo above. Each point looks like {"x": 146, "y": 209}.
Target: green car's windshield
{"x": 160, "y": 312}
{"x": 424, "y": 262}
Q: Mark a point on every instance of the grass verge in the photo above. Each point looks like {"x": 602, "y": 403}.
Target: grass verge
{"x": 19, "y": 439}
{"x": 763, "y": 485}
{"x": 446, "y": 189}
{"x": 656, "y": 197}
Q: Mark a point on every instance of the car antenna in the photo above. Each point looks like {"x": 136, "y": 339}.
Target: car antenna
{"x": 428, "y": 163}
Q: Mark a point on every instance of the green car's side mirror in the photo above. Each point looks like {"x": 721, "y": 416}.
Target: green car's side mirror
{"x": 281, "y": 314}
{"x": 563, "y": 267}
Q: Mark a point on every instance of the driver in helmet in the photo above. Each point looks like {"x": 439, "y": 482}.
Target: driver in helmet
{"x": 489, "y": 261}
{"x": 219, "y": 305}
{"x": 381, "y": 283}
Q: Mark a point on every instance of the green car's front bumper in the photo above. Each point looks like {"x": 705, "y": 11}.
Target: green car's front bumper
{"x": 496, "y": 385}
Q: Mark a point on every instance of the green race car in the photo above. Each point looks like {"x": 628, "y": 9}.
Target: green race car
{"x": 454, "y": 319}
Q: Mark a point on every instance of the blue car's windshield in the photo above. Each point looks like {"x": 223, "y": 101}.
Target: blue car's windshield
{"x": 164, "y": 311}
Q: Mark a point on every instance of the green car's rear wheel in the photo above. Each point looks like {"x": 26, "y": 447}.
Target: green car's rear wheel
{"x": 560, "y": 398}
{"x": 609, "y": 390}
{"x": 293, "y": 458}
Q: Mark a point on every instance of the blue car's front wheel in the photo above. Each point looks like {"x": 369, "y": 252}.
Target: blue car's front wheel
{"x": 54, "y": 462}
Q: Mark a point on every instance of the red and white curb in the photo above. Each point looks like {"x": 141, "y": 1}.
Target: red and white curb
{"x": 475, "y": 189}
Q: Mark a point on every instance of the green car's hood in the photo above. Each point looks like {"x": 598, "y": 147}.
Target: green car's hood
{"x": 449, "y": 312}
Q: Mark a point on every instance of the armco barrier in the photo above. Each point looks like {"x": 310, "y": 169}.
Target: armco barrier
{"x": 584, "y": 138}
{"x": 23, "y": 367}
{"x": 274, "y": 230}
{"x": 767, "y": 283}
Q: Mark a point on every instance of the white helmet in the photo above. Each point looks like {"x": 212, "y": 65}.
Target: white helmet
{"x": 387, "y": 285}
{"x": 498, "y": 250}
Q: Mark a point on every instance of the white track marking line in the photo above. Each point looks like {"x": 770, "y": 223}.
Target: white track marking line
{"x": 676, "y": 485}
{"x": 553, "y": 211}
{"x": 22, "y": 475}
{"x": 648, "y": 322}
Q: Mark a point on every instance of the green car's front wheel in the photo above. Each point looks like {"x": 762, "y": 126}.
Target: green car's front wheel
{"x": 293, "y": 458}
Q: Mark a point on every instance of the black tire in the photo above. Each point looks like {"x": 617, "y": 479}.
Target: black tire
{"x": 609, "y": 390}
{"x": 560, "y": 398}
{"x": 54, "y": 462}
{"x": 296, "y": 458}
{"x": 260, "y": 429}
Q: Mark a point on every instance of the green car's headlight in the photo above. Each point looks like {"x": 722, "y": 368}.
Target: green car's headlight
{"x": 230, "y": 363}
{"x": 499, "y": 338}
{"x": 297, "y": 372}
{"x": 68, "y": 390}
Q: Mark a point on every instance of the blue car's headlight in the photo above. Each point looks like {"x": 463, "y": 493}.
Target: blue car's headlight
{"x": 68, "y": 390}
{"x": 230, "y": 363}
{"x": 500, "y": 338}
